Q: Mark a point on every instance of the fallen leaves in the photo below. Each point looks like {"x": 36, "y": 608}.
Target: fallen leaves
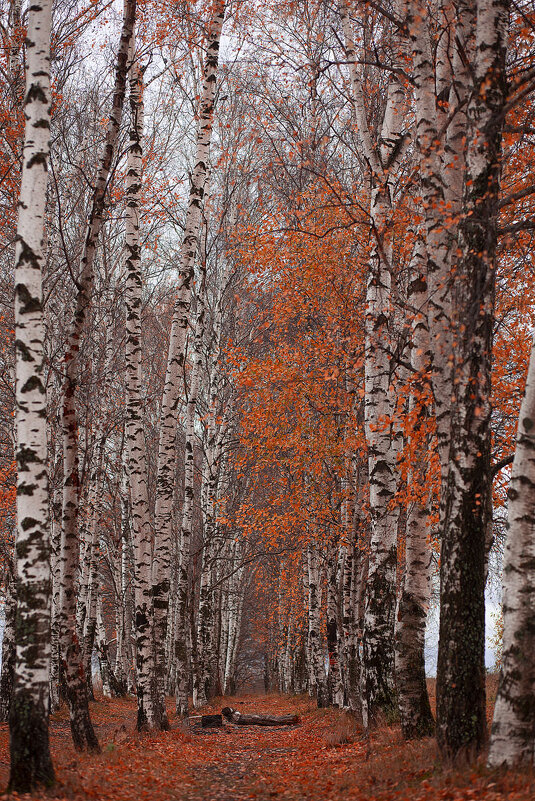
{"x": 232, "y": 764}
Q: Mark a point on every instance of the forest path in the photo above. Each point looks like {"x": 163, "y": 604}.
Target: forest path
{"x": 325, "y": 757}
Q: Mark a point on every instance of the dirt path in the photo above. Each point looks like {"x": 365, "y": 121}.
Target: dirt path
{"x": 325, "y": 757}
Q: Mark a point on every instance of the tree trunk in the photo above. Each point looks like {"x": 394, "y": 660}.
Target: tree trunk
{"x": 111, "y": 686}
{"x": 31, "y": 763}
{"x": 175, "y": 363}
{"x": 461, "y": 723}
{"x": 8, "y": 648}
{"x": 81, "y": 727}
{"x": 512, "y": 739}
{"x": 415, "y": 591}
{"x": 383, "y": 442}
{"x": 317, "y": 677}
{"x": 335, "y": 687}
{"x": 148, "y": 717}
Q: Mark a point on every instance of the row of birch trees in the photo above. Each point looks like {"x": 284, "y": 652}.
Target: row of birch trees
{"x": 118, "y": 470}
{"x": 254, "y": 326}
{"x": 431, "y": 95}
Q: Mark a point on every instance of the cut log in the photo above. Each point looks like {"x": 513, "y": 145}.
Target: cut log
{"x": 204, "y": 721}
{"x": 211, "y": 720}
{"x": 233, "y": 716}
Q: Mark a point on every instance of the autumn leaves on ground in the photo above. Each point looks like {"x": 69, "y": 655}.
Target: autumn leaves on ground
{"x": 326, "y": 756}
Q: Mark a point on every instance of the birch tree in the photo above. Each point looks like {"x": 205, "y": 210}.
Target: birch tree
{"x": 31, "y": 763}
{"x": 415, "y": 590}
{"x": 461, "y": 721}
{"x": 135, "y": 433}
{"x": 381, "y": 164}
{"x": 512, "y": 739}
{"x": 175, "y": 361}
{"x": 81, "y": 726}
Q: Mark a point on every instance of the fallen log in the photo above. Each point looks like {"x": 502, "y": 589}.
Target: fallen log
{"x": 233, "y": 716}
{"x": 211, "y": 720}
{"x": 205, "y": 721}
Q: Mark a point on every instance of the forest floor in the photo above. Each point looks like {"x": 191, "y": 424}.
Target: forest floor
{"x": 324, "y": 757}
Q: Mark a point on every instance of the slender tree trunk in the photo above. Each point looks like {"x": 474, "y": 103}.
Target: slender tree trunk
{"x": 168, "y": 419}
{"x": 317, "y": 678}
{"x": 8, "y": 648}
{"x": 187, "y": 524}
{"x": 415, "y": 591}
{"x": 89, "y": 578}
{"x": 383, "y": 441}
{"x": 31, "y": 763}
{"x": 461, "y": 723}
{"x": 81, "y": 727}
{"x": 55, "y": 666}
{"x": 512, "y": 739}
{"x": 14, "y": 61}
{"x": 148, "y": 716}
{"x": 336, "y": 694}
{"x": 111, "y": 687}
{"x": 440, "y": 235}
{"x": 126, "y": 600}
{"x": 202, "y": 678}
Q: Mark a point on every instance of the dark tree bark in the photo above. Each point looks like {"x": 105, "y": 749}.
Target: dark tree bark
{"x": 461, "y": 722}
{"x": 8, "y": 650}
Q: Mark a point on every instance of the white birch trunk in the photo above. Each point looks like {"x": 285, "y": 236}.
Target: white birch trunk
{"x": 335, "y": 686}
{"x": 168, "y": 418}
{"x": 31, "y": 763}
{"x": 512, "y": 740}
{"x": 317, "y": 677}
{"x": 415, "y": 590}
{"x": 55, "y": 666}
{"x": 187, "y": 520}
{"x": 81, "y": 727}
{"x": 434, "y": 177}
{"x": 148, "y": 716}
{"x": 383, "y": 445}
{"x": 8, "y": 645}
{"x": 14, "y": 60}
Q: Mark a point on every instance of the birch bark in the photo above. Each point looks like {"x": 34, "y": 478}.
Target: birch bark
{"x": 317, "y": 678}
{"x": 161, "y": 565}
{"x": 148, "y": 716}
{"x": 31, "y": 763}
{"x": 336, "y": 693}
{"x": 440, "y": 234}
{"x": 461, "y": 724}
{"x": 512, "y": 739}
{"x": 81, "y": 727}
{"x": 8, "y": 646}
{"x": 415, "y": 591}
{"x": 382, "y": 440}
